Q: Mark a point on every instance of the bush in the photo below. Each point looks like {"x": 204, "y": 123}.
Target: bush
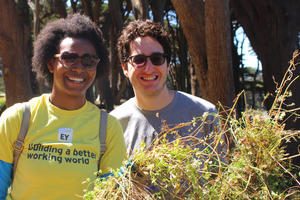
{"x": 257, "y": 167}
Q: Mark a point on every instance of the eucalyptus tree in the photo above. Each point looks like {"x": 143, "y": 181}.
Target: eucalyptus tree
{"x": 15, "y": 50}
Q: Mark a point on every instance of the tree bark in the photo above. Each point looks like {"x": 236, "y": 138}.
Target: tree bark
{"x": 191, "y": 18}
{"x": 208, "y": 38}
{"x": 219, "y": 52}
{"x": 36, "y": 27}
{"x": 157, "y": 7}
{"x": 115, "y": 29}
{"x": 140, "y": 9}
{"x": 96, "y": 11}
{"x": 61, "y": 8}
{"x": 15, "y": 46}
{"x": 87, "y": 8}
{"x": 36, "y": 18}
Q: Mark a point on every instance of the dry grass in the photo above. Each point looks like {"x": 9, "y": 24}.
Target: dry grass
{"x": 257, "y": 167}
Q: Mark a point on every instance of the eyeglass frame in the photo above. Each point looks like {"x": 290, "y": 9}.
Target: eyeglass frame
{"x": 129, "y": 59}
{"x": 78, "y": 57}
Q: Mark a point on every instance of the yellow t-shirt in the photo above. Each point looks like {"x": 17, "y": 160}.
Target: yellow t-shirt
{"x": 61, "y": 149}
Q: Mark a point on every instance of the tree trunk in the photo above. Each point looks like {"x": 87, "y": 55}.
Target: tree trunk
{"x": 219, "y": 52}
{"x": 87, "y": 8}
{"x": 182, "y": 74}
{"x": 36, "y": 18}
{"x": 191, "y": 18}
{"x": 74, "y": 5}
{"x": 209, "y": 40}
{"x": 140, "y": 9}
{"x": 60, "y": 7}
{"x": 96, "y": 11}
{"x": 157, "y": 7}
{"x": 36, "y": 27}
{"x": 193, "y": 80}
{"x": 115, "y": 29}
{"x": 15, "y": 50}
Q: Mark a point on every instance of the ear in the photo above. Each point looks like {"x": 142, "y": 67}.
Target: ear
{"x": 50, "y": 66}
{"x": 125, "y": 69}
{"x": 168, "y": 67}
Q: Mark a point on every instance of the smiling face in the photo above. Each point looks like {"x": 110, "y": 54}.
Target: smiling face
{"x": 149, "y": 80}
{"x": 73, "y": 81}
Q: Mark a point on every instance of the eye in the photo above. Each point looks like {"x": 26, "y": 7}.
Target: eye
{"x": 69, "y": 57}
{"x": 89, "y": 60}
{"x": 157, "y": 59}
{"x": 139, "y": 59}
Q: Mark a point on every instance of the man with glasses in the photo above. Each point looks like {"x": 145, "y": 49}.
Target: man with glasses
{"x": 144, "y": 50}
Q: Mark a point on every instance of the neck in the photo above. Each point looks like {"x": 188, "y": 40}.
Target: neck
{"x": 67, "y": 102}
{"x": 155, "y": 102}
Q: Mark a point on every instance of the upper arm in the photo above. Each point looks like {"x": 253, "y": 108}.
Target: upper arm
{"x": 9, "y": 127}
{"x": 10, "y": 122}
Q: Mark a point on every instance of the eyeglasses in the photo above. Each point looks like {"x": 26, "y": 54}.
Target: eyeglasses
{"x": 69, "y": 59}
{"x": 140, "y": 60}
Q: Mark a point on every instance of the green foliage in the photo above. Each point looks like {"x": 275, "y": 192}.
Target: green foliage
{"x": 257, "y": 167}
{"x": 2, "y": 102}
{"x": 2, "y": 86}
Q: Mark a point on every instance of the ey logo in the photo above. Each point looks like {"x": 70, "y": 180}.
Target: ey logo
{"x": 65, "y": 134}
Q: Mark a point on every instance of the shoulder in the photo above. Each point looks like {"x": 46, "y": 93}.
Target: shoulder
{"x": 112, "y": 119}
{"x": 124, "y": 110}
{"x": 15, "y": 112}
{"x": 114, "y": 128}
{"x": 195, "y": 102}
{"x": 36, "y": 102}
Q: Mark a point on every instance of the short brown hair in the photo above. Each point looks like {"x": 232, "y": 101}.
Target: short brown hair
{"x": 142, "y": 28}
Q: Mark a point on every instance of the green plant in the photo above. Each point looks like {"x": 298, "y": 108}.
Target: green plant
{"x": 257, "y": 167}
{"x": 2, "y": 102}
{"x": 2, "y": 87}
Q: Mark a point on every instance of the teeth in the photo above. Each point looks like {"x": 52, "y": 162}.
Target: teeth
{"x": 149, "y": 78}
{"x": 76, "y": 79}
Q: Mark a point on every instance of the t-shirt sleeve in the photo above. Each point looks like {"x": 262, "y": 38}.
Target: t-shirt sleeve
{"x": 9, "y": 128}
{"x": 10, "y": 122}
{"x": 214, "y": 119}
{"x": 215, "y": 127}
{"x": 5, "y": 178}
{"x": 115, "y": 146}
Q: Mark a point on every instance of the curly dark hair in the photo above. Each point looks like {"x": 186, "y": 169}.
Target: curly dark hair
{"x": 142, "y": 28}
{"x": 47, "y": 43}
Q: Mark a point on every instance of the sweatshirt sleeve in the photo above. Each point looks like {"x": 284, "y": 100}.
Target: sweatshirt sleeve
{"x": 5, "y": 178}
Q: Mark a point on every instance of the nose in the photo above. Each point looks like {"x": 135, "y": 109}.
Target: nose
{"x": 77, "y": 65}
{"x": 148, "y": 65}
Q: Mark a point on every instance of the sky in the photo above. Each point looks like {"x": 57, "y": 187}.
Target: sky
{"x": 249, "y": 56}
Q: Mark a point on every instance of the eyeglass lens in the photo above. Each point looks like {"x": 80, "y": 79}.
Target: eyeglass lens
{"x": 155, "y": 58}
{"x": 87, "y": 60}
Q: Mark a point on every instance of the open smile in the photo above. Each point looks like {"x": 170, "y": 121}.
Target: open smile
{"x": 149, "y": 78}
{"x": 75, "y": 80}
{"x": 79, "y": 80}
